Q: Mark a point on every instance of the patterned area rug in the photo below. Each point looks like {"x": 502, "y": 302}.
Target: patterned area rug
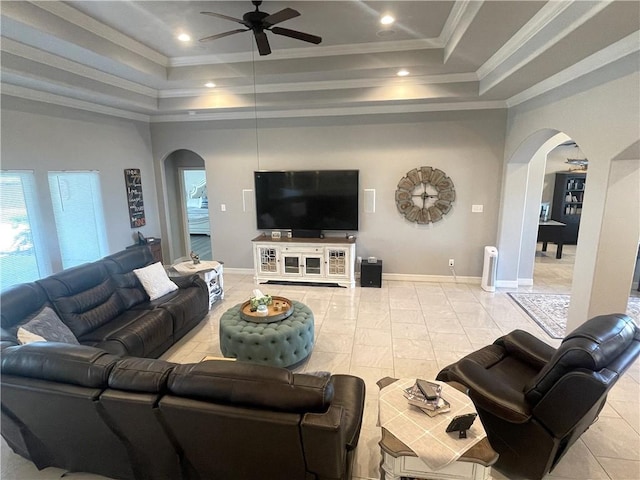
{"x": 550, "y": 310}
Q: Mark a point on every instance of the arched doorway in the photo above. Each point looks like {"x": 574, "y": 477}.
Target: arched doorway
{"x": 609, "y": 234}
{"x": 187, "y": 208}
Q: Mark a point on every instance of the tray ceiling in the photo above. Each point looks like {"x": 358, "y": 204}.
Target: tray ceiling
{"x": 123, "y": 58}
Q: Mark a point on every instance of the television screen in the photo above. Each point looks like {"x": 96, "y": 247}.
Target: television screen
{"x": 307, "y": 200}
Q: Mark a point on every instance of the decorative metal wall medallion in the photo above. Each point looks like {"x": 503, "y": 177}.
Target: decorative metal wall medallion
{"x": 424, "y": 195}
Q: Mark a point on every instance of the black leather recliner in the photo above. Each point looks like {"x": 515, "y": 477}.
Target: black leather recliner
{"x": 535, "y": 401}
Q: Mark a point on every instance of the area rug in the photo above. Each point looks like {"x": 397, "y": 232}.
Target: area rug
{"x": 550, "y": 310}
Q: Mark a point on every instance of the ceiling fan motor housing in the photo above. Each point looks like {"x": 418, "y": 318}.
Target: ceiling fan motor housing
{"x": 254, "y": 19}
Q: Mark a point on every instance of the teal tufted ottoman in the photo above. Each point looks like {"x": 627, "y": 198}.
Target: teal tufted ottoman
{"x": 286, "y": 343}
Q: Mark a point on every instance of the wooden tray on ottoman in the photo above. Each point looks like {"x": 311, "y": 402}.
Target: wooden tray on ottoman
{"x": 272, "y": 315}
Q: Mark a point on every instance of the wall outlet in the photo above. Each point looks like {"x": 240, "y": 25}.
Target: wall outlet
{"x": 452, "y": 262}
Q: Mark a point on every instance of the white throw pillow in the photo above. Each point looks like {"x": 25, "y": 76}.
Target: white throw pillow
{"x": 155, "y": 281}
{"x": 46, "y": 326}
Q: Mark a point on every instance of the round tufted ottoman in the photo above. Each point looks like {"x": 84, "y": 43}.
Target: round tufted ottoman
{"x": 283, "y": 344}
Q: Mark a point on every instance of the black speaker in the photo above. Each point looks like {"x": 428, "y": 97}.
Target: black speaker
{"x": 307, "y": 234}
{"x": 371, "y": 274}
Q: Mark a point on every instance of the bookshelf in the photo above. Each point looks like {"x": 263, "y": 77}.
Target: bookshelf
{"x": 568, "y": 195}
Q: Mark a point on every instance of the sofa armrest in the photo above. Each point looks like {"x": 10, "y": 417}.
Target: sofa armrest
{"x": 324, "y": 442}
{"x": 329, "y": 437}
{"x": 186, "y": 281}
{"x": 527, "y": 348}
{"x": 488, "y": 393}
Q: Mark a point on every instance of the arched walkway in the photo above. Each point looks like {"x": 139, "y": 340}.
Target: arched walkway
{"x": 175, "y": 222}
{"x": 610, "y": 228}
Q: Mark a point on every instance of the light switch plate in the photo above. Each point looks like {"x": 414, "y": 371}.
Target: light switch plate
{"x": 477, "y": 208}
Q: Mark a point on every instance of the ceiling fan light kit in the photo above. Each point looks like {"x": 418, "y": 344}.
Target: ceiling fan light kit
{"x": 261, "y": 22}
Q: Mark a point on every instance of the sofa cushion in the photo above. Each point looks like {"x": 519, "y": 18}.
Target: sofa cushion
{"x": 84, "y": 297}
{"x": 120, "y": 266}
{"x": 250, "y": 385}
{"x": 141, "y": 375}
{"x": 155, "y": 280}
{"x": 20, "y": 303}
{"x": 591, "y": 346}
{"x": 45, "y": 326}
{"x": 59, "y": 362}
{"x": 138, "y": 333}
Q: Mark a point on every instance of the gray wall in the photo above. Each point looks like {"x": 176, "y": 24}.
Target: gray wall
{"x": 467, "y": 145}
{"x": 42, "y": 138}
{"x": 600, "y": 112}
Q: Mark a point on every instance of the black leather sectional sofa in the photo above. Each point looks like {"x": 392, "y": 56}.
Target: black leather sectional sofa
{"x": 99, "y": 407}
{"x": 82, "y": 409}
{"x": 105, "y": 306}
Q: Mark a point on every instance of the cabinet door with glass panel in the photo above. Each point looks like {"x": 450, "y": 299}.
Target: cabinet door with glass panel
{"x": 338, "y": 262}
{"x": 299, "y": 264}
{"x": 268, "y": 260}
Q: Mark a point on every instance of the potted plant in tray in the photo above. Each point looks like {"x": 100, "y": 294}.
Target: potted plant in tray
{"x": 259, "y": 303}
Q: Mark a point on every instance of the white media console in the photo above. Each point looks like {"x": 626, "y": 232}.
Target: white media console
{"x": 320, "y": 260}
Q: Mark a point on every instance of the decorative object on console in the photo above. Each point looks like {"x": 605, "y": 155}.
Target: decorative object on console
{"x": 195, "y": 257}
{"x": 425, "y": 195}
{"x": 259, "y": 299}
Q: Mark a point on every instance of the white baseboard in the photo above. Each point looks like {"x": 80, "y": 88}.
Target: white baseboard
{"x": 408, "y": 277}
{"x": 240, "y": 271}
{"x": 507, "y": 283}
{"x": 400, "y": 277}
{"x": 525, "y": 282}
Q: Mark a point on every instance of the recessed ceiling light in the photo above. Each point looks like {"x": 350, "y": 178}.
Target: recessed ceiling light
{"x": 183, "y": 37}
{"x": 387, "y": 20}
{"x": 402, "y": 73}
{"x": 209, "y": 84}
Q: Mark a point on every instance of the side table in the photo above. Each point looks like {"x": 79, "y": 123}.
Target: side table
{"x": 210, "y": 271}
{"x": 399, "y": 461}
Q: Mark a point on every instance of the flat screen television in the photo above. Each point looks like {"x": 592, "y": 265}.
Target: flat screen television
{"x": 307, "y": 200}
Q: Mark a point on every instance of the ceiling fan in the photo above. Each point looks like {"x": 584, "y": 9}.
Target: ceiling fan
{"x": 260, "y": 22}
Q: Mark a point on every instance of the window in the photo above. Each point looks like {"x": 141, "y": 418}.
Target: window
{"x": 77, "y": 209}
{"x": 19, "y": 257}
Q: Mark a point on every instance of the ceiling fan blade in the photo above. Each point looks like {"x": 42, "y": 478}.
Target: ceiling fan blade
{"x": 280, "y": 16}
{"x": 225, "y": 34}
{"x": 262, "y": 43}
{"x": 219, "y": 15}
{"x": 305, "y": 37}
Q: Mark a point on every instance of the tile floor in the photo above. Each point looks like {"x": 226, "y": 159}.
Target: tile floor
{"x": 409, "y": 329}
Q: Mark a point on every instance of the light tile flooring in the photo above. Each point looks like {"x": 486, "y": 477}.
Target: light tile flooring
{"x": 410, "y": 329}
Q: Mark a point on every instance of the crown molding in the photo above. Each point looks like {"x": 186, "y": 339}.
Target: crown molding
{"x": 538, "y": 22}
{"x": 81, "y": 20}
{"x": 331, "y": 112}
{"x": 464, "y": 19}
{"x": 488, "y": 81}
{"x": 306, "y": 52}
{"x": 45, "y": 97}
{"x": 452, "y": 21}
{"x": 322, "y": 85}
{"x": 627, "y": 46}
{"x": 51, "y": 60}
